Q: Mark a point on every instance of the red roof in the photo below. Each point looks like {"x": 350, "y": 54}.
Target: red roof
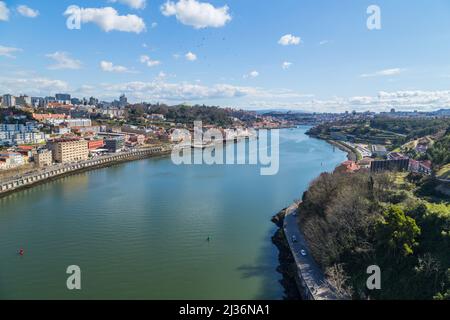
{"x": 427, "y": 164}
{"x": 26, "y": 148}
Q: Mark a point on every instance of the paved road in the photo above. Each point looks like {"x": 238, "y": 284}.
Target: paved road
{"x": 308, "y": 269}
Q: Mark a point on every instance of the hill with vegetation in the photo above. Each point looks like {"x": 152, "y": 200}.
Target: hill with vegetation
{"x": 353, "y": 221}
{"x": 393, "y": 132}
{"x": 439, "y": 153}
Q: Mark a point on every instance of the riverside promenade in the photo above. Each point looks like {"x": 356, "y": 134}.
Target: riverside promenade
{"x": 60, "y": 170}
{"x": 310, "y": 278}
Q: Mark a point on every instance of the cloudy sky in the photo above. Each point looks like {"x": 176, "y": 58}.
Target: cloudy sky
{"x": 292, "y": 54}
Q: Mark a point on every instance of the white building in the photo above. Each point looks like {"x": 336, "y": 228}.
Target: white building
{"x": 8, "y": 101}
{"x": 23, "y": 101}
{"x": 379, "y": 151}
{"x": 15, "y": 134}
{"x": 11, "y": 160}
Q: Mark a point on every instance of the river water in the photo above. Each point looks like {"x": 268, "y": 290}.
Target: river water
{"x": 138, "y": 230}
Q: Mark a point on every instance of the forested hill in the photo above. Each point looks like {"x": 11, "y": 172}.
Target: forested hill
{"x": 353, "y": 221}
{"x": 439, "y": 154}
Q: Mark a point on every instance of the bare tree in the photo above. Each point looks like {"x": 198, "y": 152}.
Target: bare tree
{"x": 338, "y": 279}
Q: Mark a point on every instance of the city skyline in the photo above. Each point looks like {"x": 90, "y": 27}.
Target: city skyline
{"x": 297, "y": 55}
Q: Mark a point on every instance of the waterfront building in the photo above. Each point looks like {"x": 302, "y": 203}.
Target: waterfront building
{"x": 69, "y": 150}
{"x": 43, "y": 158}
{"x": 94, "y": 144}
{"x": 136, "y": 139}
{"x": 11, "y": 160}
{"x": 115, "y": 144}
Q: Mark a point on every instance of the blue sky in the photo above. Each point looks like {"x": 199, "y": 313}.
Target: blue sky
{"x": 333, "y": 61}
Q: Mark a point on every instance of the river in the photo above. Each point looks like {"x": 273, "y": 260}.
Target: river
{"x": 138, "y": 230}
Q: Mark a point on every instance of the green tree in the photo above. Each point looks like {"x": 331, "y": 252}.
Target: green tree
{"x": 398, "y": 232}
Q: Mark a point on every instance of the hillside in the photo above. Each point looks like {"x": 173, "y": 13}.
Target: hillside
{"x": 352, "y": 221}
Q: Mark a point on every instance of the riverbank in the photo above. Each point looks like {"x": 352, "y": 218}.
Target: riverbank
{"x": 296, "y": 263}
{"x": 287, "y": 267}
{"x": 351, "y": 154}
{"x": 60, "y": 171}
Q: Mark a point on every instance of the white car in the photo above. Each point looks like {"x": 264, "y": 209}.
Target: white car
{"x": 303, "y": 253}
{"x": 294, "y": 239}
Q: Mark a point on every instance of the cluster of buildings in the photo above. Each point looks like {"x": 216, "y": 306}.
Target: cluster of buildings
{"x": 394, "y": 162}
{"x": 416, "y": 114}
{"x": 68, "y": 149}
{"x": 62, "y": 129}
{"x": 17, "y": 134}
{"x": 58, "y": 100}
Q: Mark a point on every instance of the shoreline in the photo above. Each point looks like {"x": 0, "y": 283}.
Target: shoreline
{"x": 351, "y": 154}
{"x": 292, "y": 282}
{"x": 302, "y": 279}
{"x": 286, "y": 260}
{"x": 57, "y": 172}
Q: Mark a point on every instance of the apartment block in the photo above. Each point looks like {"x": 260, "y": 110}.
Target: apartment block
{"x": 43, "y": 158}
{"x": 69, "y": 150}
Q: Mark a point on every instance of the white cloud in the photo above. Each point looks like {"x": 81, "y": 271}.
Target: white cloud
{"x": 110, "y": 67}
{"x": 135, "y": 4}
{"x": 160, "y": 90}
{"x": 289, "y": 39}
{"x": 63, "y": 61}
{"x": 162, "y": 75}
{"x": 323, "y": 42}
{"x": 32, "y": 85}
{"x": 191, "y": 56}
{"x": 8, "y": 51}
{"x": 149, "y": 62}
{"x": 406, "y": 100}
{"x": 197, "y": 14}
{"x": 27, "y": 11}
{"x": 253, "y": 74}
{"x": 383, "y": 73}
{"x": 108, "y": 19}
{"x": 154, "y": 25}
{"x": 286, "y": 65}
{"x": 4, "y": 11}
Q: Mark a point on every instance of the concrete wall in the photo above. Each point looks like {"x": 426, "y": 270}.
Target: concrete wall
{"x": 59, "y": 170}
